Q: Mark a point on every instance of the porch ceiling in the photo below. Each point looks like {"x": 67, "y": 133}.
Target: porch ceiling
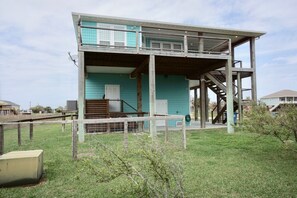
{"x": 165, "y": 65}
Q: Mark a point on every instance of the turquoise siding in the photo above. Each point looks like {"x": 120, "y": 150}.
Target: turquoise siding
{"x": 89, "y": 36}
{"x": 131, "y": 36}
{"x": 175, "y": 89}
{"x": 95, "y": 87}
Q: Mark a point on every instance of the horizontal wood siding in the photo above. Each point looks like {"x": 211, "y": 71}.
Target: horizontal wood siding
{"x": 95, "y": 87}
{"x": 131, "y": 37}
{"x": 175, "y": 89}
{"x": 89, "y": 36}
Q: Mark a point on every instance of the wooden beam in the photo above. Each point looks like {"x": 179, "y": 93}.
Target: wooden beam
{"x": 195, "y": 104}
{"x": 239, "y": 92}
{"x": 202, "y": 101}
{"x": 253, "y": 66}
{"x": 140, "y": 68}
{"x": 139, "y": 93}
{"x": 152, "y": 95}
{"x": 1, "y": 139}
{"x": 229, "y": 97}
{"x": 81, "y": 95}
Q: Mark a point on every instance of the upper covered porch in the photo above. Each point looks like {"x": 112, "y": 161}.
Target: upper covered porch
{"x": 120, "y": 35}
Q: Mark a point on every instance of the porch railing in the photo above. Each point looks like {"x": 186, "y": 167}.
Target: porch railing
{"x": 141, "y": 41}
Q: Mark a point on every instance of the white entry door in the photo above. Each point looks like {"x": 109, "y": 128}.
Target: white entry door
{"x": 112, "y": 92}
{"x": 162, "y": 109}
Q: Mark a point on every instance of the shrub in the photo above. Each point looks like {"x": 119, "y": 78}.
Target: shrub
{"x": 282, "y": 125}
{"x": 153, "y": 173}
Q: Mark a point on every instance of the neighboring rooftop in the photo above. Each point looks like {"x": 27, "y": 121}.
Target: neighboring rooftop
{"x": 282, "y": 93}
{"x": 7, "y": 103}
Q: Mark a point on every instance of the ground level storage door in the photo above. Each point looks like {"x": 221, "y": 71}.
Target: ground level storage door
{"x": 112, "y": 92}
{"x": 162, "y": 109}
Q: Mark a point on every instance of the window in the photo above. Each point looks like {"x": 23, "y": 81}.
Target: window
{"x": 166, "y": 46}
{"x": 282, "y": 99}
{"x": 104, "y": 35}
{"x": 295, "y": 99}
{"x": 156, "y": 45}
{"x": 177, "y": 47}
{"x": 289, "y": 99}
{"x": 111, "y": 37}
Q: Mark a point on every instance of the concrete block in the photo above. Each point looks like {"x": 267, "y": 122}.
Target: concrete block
{"x": 21, "y": 167}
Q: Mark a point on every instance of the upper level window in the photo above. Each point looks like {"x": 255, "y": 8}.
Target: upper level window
{"x": 166, "y": 46}
{"x": 282, "y": 99}
{"x": 289, "y": 99}
{"x": 111, "y": 37}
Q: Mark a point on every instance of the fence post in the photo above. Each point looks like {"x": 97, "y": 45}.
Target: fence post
{"x": 1, "y": 139}
{"x": 31, "y": 130}
{"x": 184, "y": 138}
{"x": 125, "y": 134}
{"x": 166, "y": 131}
{"x": 19, "y": 135}
{"x": 74, "y": 140}
{"x": 63, "y": 124}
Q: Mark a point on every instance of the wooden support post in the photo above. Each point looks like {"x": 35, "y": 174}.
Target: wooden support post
{"x": 185, "y": 44}
{"x": 184, "y": 138}
{"x": 201, "y": 43}
{"x": 1, "y": 139}
{"x": 63, "y": 119}
{"x": 253, "y": 65}
{"x": 230, "y": 108}
{"x": 166, "y": 131}
{"x": 202, "y": 101}
{"x": 125, "y": 134}
{"x": 152, "y": 95}
{"x": 137, "y": 41}
{"x": 74, "y": 140}
{"x": 19, "y": 135}
{"x": 139, "y": 99}
{"x": 206, "y": 104}
{"x": 218, "y": 107}
{"x": 239, "y": 92}
{"x": 31, "y": 129}
{"x": 195, "y": 105}
{"x": 81, "y": 95}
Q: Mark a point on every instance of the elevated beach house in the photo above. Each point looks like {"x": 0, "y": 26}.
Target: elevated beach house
{"x": 130, "y": 67}
{"x": 275, "y": 100}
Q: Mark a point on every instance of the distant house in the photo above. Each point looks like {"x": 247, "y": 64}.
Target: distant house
{"x": 8, "y": 108}
{"x": 274, "y": 100}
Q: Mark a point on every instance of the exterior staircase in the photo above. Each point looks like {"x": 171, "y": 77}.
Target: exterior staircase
{"x": 216, "y": 83}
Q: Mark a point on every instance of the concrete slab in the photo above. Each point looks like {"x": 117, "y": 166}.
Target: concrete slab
{"x": 21, "y": 167}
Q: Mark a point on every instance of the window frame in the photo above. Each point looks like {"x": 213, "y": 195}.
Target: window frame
{"x": 112, "y": 39}
{"x": 167, "y": 42}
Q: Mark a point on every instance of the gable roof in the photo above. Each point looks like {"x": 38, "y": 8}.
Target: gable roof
{"x": 7, "y": 103}
{"x": 282, "y": 93}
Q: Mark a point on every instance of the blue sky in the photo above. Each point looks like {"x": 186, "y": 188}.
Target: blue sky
{"x": 35, "y": 37}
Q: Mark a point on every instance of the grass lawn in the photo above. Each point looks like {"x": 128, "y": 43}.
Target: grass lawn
{"x": 216, "y": 164}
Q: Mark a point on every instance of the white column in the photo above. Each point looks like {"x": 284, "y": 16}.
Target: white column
{"x": 81, "y": 96}
{"x": 230, "y": 108}
{"x": 152, "y": 92}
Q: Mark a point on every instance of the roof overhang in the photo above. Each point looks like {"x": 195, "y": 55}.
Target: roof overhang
{"x": 246, "y": 34}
